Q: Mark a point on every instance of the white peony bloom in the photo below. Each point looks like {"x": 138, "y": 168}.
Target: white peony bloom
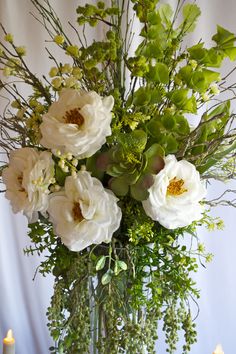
{"x": 78, "y": 122}
{"x": 84, "y": 213}
{"x": 175, "y": 194}
{"x": 27, "y": 179}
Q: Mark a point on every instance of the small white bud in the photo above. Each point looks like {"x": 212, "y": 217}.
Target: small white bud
{"x": 66, "y": 169}
{"x": 69, "y": 156}
{"x": 74, "y": 162}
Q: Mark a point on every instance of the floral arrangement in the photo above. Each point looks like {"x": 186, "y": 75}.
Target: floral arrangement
{"x": 110, "y": 174}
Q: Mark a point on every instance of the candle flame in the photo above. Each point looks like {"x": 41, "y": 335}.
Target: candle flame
{"x": 9, "y": 339}
{"x": 9, "y": 334}
{"x": 218, "y": 350}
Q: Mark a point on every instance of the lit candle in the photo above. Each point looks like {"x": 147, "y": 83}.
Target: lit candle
{"x": 218, "y": 350}
{"x": 9, "y": 343}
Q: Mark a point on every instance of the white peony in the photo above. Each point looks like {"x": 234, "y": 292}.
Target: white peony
{"x": 27, "y": 179}
{"x": 78, "y": 122}
{"x": 84, "y": 213}
{"x": 175, "y": 194}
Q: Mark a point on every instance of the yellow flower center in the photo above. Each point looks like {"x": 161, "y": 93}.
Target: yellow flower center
{"x": 175, "y": 187}
{"x": 74, "y": 117}
{"x": 76, "y": 212}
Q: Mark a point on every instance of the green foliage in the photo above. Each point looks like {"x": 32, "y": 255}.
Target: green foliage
{"x": 180, "y": 98}
{"x": 191, "y": 12}
{"x": 143, "y": 8}
{"x": 158, "y": 73}
{"x": 106, "y": 278}
{"x": 92, "y": 14}
{"x": 225, "y": 42}
{"x": 131, "y": 272}
{"x": 217, "y": 157}
{"x": 168, "y": 130}
{"x": 101, "y": 263}
{"x": 207, "y": 57}
{"x": 210, "y": 131}
{"x": 166, "y": 14}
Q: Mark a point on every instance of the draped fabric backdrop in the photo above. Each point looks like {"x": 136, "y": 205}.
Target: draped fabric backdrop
{"x": 23, "y": 302}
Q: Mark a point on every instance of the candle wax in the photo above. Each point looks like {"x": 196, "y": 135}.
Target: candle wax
{"x": 9, "y": 343}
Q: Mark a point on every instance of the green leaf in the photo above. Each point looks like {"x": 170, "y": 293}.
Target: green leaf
{"x": 154, "y": 156}
{"x": 115, "y": 170}
{"x": 182, "y": 102}
{"x": 179, "y": 97}
{"x": 122, "y": 265}
{"x": 216, "y": 127}
{"x": 138, "y": 192}
{"x": 197, "y": 52}
{"x": 166, "y": 14}
{"x": 168, "y": 121}
{"x": 185, "y": 73}
{"x": 198, "y": 81}
{"x": 214, "y": 58}
{"x": 117, "y": 270}
{"x": 191, "y": 12}
{"x": 159, "y": 73}
{"x": 154, "y": 150}
{"x": 210, "y": 57}
{"x": 181, "y": 125}
{"x": 225, "y": 41}
{"x": 158, "y": 34}
{"x": 106, "y": 278}
{"x": 231, "y": 53}
{"x": 190, "y": 105}
{"x": 219, "y": 110}
{"x": 60, "y": 175}
{"x": 119, "y": 186}
{"x": 119, "y": 266}
{"x": 100, "y": 263}
{"x": 213, "y": 128}
{"x": 91, "y": 165}
{"x": 155, "y": 127}
{"x": 153, "y": 18}
{"x": 156, "y": 96}
{"x": 141, "y": 97}
{"x": 201, "y": 141}
{"x": 152, "y": 49}
{"x": 132, "y": 177}
{"x": 153, "y": 31}
{"x": 216, "y": 158}
{"x": 171, "y": 144}
{"x": 211, "y": 76}
{"x": 223, "y": 37}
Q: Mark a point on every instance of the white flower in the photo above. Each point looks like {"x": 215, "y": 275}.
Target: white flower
{"x": 84, "y": 213}
{"x": 175, "y": 194}
{"x": 78, "y": 122}
{"x": 27, "y": 179}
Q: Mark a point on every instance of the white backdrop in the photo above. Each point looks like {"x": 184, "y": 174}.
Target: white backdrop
{"x": 23, "y": 302}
